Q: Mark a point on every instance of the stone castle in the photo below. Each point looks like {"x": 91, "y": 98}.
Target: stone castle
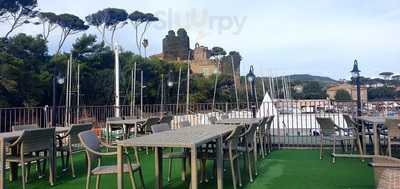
{"x": 176, "y": 48}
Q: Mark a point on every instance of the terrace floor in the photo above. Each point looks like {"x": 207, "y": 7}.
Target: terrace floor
{"x": 282, "y": 169}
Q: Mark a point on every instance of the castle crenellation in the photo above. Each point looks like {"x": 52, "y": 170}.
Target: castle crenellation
{"x": 176, "y": 48}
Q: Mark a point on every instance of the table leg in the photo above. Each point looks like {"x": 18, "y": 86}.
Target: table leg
{"x": 193, "y": 159}
{"x": 52, "y": 161}
{"x": 125, "y": 132}
{"x": 158, "y": 168}
{"x": 107, "y": 134}
{"x": 220, "y": 161}
{"x": 2, "y": 164}
{"x": 135, "y": 129}
{"x": 376, "y": 139}
{"x": 363, "y": 140}
{"x": 120, "y": 168}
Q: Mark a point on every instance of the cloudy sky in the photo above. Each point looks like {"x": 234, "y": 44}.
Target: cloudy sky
{"x": 320, "y": 37}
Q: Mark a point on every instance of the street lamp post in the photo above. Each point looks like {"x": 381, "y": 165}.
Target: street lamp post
{"x": 58, "y": 78}
{"x": 356, "y": 77}
{"x": 251, "y": 78}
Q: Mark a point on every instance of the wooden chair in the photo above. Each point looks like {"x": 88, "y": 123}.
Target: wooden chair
{"x": 247, "y": 147}
{"x": 72, "y": 145}
{"x": 393, "y": 132}
{"x": 145, "y": 128}
{"x": 114, "y": 127}
{"x": 262, "y": 136}
{"x": 171, "y": 154}
{"x": 30, "y": 143}
{"x": 231, "y": 154}
{"x": 22, "y": 128}
{"x": 92, "y": 146}
{"x": 167, "y": 119}
{"x": 212, "y": 119}
{"x": 331, "y": 132}
{"x": 353, "y": 128}
{"x": 387, "y": 172}
{"x": 184, "y": 124}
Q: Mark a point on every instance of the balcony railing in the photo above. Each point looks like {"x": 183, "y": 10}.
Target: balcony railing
{"x": 294, "y": 126}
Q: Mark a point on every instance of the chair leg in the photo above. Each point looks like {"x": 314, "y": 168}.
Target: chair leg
{"x": 63, "y": 166}
{"x": 141, "y": 177}
{"x": 321, "y": 148}
{"x": 23, "y": 174}
{"x": 255, "y": 163}
{"x": 183, "y": 176}
{"x": 360, "y": 150}
{"x": 233, "y": 171}
{"x": 98, "y": 177}
{"x": 249, "y": 165}
{"x": 71, "y": 160}
{"x": 88, "y": 180}
{"x": 169, "y": 169}
{"x": 132, "y": 179}
{"x": 334, "y": 150}
{"x": 262, "y": 146}
{"x": 28, "y": 170}
{"x": 238, "y": 172}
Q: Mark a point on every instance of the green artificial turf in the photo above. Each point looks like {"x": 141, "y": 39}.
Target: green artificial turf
{"x": 282, "y": 169}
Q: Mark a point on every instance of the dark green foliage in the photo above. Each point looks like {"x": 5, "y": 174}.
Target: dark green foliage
{"x": 218, "y": 51}
{"x": 342, "y": 95}
{"x": 311, "y": 90}
{"x": 24, "y": 75}
{"x": 382, "y": 93}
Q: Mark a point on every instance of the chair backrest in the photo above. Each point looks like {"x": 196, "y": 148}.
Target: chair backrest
{"x": 327, "y": 126}
{"x": 212, "y": 119}
{"x": 149, "y": 122}
{"x": 349, "y": 121}
{"x": 130, "y": 117}
{"x": 166, "y": 119}
{"x": 183, "y": 124}
{"x": 262, "y": 125}
{"x": 160, "y": 128}
{"x": 114, "y": 119}
{"x": 250, "y": 133}
{"x": 33, "y": 140}
{"x": 232, "y": 140}
{"x": 393, "y": 126}
{"x": 270, "y": 121}
{"x": 225, "y": 116}
{"x": 90, "y": 141}
{"x": 24, "y": 127}
{"x": 75, "y": 130}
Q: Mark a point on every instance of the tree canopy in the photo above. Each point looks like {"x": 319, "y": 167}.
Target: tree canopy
{"x": 70, "y": 25}
{"x": 109, "y": 19}
{"x": 17, "y": 12}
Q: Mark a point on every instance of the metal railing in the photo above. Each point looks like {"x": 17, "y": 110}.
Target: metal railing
{"x": 294, "y": 125}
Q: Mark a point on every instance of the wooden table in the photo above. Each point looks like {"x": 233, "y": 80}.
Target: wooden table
{"x": 188, "y": 137}
{"x": 247, "y": 121}
{"x": 375, "y": 121}
{"x": 9, "y": 137}
{"x": 123, "y": 124}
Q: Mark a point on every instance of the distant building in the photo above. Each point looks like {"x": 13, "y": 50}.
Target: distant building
{"x": 176, "y": 48}
{"x": 351, "y": 89}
